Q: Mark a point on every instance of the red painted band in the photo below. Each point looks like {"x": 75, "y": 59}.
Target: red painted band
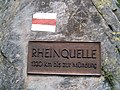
{"x": 44, "y": 21}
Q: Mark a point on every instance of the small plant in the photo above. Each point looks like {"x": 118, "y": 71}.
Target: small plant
{"x": 118, "y": 4}
{"x": 109, "y": 77}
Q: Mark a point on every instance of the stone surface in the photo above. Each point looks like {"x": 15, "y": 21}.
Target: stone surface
{"x": 77, "y": 20}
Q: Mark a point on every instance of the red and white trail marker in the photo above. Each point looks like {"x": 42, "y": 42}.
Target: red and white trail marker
{"x": 44, "y": 22}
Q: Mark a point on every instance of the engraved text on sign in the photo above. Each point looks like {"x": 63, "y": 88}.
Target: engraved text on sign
{"x": 68, "y": 58}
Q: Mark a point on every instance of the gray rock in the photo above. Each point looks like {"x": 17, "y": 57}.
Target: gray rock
{"x": 77, "y": 20}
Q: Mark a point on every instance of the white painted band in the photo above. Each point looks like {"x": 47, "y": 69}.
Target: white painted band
{"x": 45, "y": 15}
{"x": 38, "y": 27}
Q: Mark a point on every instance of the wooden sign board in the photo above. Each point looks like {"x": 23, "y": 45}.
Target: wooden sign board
{"x": 64, "y": 58}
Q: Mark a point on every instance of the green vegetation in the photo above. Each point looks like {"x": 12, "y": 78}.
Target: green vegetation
{"x": 118, "y": 4}
{"x": 101, "y": 3}
{"x": 111, "y": 72}
{"x": 118, "y": 1}
{"x": 109, "y": 77}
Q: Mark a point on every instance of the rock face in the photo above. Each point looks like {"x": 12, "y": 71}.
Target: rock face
{"x": 77, "y": 20}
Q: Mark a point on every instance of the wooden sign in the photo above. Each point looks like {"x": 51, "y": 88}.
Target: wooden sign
{"x": 66, "y": 58}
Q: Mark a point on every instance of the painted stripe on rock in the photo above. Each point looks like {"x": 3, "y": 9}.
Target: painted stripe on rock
{"x": 38, "y": 27}
{"x": 44, "y": 21}
{"x": 45, "y": 15}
